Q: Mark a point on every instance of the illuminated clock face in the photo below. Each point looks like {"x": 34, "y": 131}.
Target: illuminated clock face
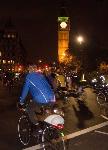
{"x": 63, "y": 25}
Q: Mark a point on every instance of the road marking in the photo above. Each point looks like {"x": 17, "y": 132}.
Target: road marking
{"x": 36, "y": 147}
{"x": 101, "y": 132}
{"x": 73, "y": 135}
{"x": 81, "y": 132}
{"x": 104, "y": 117}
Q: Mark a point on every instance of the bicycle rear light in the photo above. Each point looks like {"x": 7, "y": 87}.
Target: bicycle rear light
{"x": 59, "y": 126}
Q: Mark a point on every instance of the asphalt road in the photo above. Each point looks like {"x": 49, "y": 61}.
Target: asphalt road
{"x": 78, "y": 117}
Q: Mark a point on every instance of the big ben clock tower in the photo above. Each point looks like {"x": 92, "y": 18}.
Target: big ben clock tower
{"x": 63, "y": 34}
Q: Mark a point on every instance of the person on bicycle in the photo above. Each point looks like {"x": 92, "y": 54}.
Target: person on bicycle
{"x": 51, "y": 77}
{"x": 38, "y": 87}
{"x": 62, "y": 84}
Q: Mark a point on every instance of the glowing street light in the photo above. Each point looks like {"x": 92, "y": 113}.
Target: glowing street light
{"x": 80, "y": 39}
{"x": 40, "y": 61}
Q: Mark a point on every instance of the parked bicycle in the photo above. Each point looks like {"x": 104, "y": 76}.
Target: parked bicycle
{"x": 102, "y": 100}
{"x": 48, "y": 133}
{"x": 102, "y": 96}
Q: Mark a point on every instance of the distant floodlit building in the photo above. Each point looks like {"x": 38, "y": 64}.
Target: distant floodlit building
{"x": 63, "y": 34}
{"x": 12, "y": 50}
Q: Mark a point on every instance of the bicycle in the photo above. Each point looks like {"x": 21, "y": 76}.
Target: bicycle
{"x": 62, "y": 93}
{"x": 102, "y": 100}
{"x": 48, "y": 133}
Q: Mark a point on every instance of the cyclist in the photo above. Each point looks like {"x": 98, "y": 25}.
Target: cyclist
{"x": 62, "y": 84}
{"x": 52, "y": 80}
{"x": 42, "y": 94}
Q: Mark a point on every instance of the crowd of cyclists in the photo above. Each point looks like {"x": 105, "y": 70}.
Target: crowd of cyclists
{"x": 42, "y": 87}
{"x": 57, "y": 77}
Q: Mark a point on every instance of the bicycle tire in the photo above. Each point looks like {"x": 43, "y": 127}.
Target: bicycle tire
{"x": 52, "y": 139}
{"x": 24, "y": 130}
{"x": 104, "y": 110}
{"x": 101, "y": 98}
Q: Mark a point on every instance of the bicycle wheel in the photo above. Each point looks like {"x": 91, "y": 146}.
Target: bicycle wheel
{"x": 104, "y": 110}
{"x": 52, "y": 139}
{"x": 101, "y": 98}
{"x": 24, "y": 130}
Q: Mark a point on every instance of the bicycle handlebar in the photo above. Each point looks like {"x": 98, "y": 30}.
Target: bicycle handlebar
{"x": 21, "y": 107}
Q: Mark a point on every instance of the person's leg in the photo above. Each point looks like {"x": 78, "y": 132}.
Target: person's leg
{"x": 32, "y": 109}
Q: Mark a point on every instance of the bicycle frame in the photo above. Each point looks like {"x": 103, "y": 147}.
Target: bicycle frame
{"x": 54, "y": 121}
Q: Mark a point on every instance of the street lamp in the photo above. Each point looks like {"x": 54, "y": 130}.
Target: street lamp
{"x": 80, "y": 39}
{"x": 40, "y": 61}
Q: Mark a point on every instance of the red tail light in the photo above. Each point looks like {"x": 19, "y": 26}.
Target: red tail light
{"x": 59, "y": 126}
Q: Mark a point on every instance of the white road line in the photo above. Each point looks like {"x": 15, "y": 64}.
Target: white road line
{"x": 36, "y": 147}
{"x": 104, "y": 117}
{"x": 75, "y": 134}
{"x": 101, "y": 132}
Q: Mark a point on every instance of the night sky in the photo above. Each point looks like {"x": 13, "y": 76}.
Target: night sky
{"x": 36, "y": 22}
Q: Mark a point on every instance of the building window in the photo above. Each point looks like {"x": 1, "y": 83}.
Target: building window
{"x": 8, "y": 36}
{"x": 4, "y": 61}
{"x": 13, "y": 36}
{"x": 8, "y": 61}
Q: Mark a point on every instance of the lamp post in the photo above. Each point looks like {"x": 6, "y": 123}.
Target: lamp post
{"x": 80, "y": 41}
